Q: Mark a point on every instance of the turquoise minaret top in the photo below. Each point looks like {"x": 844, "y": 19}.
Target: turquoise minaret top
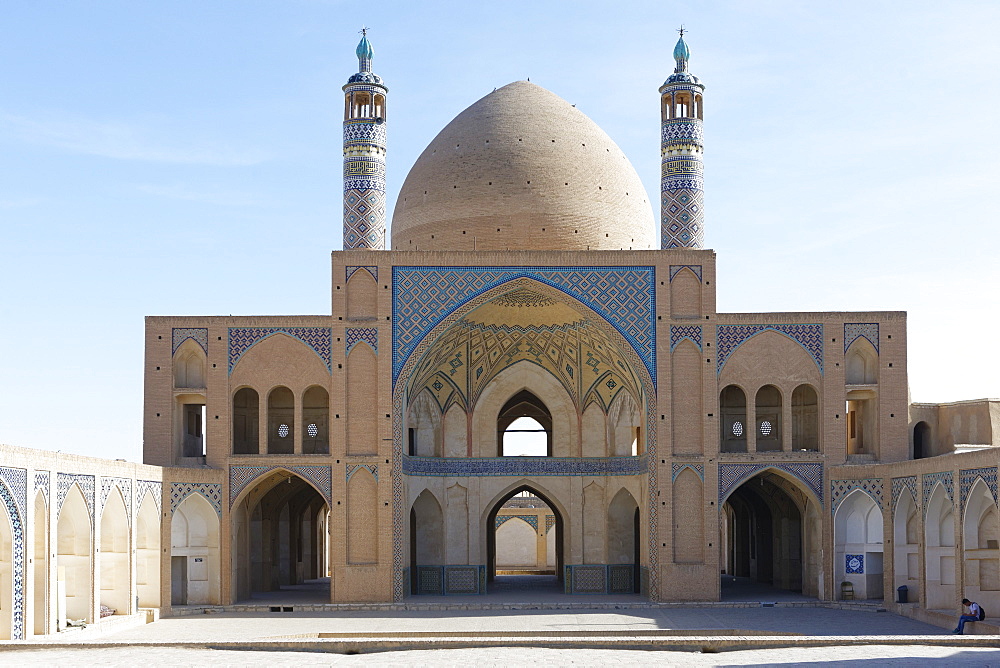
{"x": 681, "y": 54}
{"x": 365, "y": 53}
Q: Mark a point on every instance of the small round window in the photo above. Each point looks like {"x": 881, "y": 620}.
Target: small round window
{"x": 737, "y": 429}
{"x": 312, "y": 430}
{"x": 765, "y": 428}
{"x": 283, "y": 431}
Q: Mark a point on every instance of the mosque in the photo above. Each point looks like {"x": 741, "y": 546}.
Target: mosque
{"x": 529, "y": 377}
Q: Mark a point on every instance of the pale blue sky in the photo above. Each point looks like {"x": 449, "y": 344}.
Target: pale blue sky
{"x": 151, "y": 152}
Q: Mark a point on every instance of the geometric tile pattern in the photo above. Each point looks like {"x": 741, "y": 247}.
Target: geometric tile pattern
{"x": 675, "y": 269}
{"x": 731, "y": 337}
{"x": 424, "y": 296}
{"x": 241, "y": 476}
{"x": 241, "y": 339}
{"x": 680, "y": 332}
{"x": 860, "y": 330}
{"x": 353, "y": 468}
{"x": 908, "y": 483}
{"x": 682, "y": 182}
{"x": 621, "y": 578}
{"x": 364, "y": 177}
{"x": 530, "y": 519}
{"x": 153, "y": 487}
{"x": 430, "y": 580}
{"x": 86, "y": 483}
{"x": 550, "y": 521}
{"x": 13, "y": 495}
{"x": 465, "y": 579}
{"x": 854, "y": 563}
{"x": 350, "y": 271}
{"x": 197, "y": 334}
{"x": 967, "y": 478}
{"x": 929, "y": 480}
{"x": 42, "y": 483}
{"x": 586, "y": 579}
{"x": 124, "y": 485}
{"x": 677, "y": 468}
{"x": 682, "y": 215}
{"x": 212, "y": 491}
{"x": 839, "y": 489}
{"x": 730, "y": 475}
{"x": 364, "y": 213}
{"x": 523, "y": 466}
{"x": 355, "y": 335}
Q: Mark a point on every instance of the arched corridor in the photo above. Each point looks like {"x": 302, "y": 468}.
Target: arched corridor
{"x": 765, "y": 539}
{"x": 524, "y": 542}
{"x": 194, "y": 553}
{"x": 281, "y": 540}
{"x": 75, "y": 557}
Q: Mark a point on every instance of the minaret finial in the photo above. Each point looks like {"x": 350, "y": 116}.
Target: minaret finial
{"x": 681, "y": 31}
{"x": 364, "y": 51}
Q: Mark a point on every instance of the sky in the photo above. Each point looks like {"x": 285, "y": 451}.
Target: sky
{"x": 184, "y": 158}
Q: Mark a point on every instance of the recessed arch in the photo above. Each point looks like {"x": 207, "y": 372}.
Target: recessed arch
{"x": 75, "y": 555}
{"x": 733, "y": 407}
{"x": 858, "y": 544}
{"x": 906, "y": 544}
{"x": 922, "y": 444}
{"x": 147, "y": 552}
{"x": 315, "y": 421}
{"x": 940, "y": 568}
{"x": 115, "y": 585}
{"x": 493, "y": 507}
{"x": 981, "y": 542}
{"x": 623, "y": 534}
{"x": 7, "y": 556}
{"x": 194, "y": 552}
{"x": 40, "y": 562}
{"x": 189, "y": 365}
{"x": 805, "y": 418}
{"x": 246, "y": 421}
{"x": 861, "y": 361}
{"x": 768, "y": 417}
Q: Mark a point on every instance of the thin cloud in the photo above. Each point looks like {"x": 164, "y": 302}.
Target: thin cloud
{"x": 120, "y": 141}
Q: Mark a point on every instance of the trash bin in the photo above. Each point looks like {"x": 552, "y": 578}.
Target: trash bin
{"x": 902, "y": 593}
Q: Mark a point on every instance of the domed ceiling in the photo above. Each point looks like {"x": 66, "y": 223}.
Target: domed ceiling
{"x": 524, "y": 325}
{"x": 522, "y": 169}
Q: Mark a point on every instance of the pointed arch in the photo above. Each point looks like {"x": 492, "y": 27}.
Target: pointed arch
{"x": 115, "y": 585}
{"x": 906, "y": 544}
{"x": 11, "y": 605}
{"x": 685, "y": 294}
{"x": 423, "y": 426}
{"x": 491, "y": 508}
{"x": 362, "y": 401}
{"x": 940, "y": 568}
{"x": 362, "y": 296}
{"x": 623, "y": 539}
{"x": 194, "y": 552}
{"x": 687, "y": 496}
{"x": 861, "y": 362}
{"x": 362, "y": 517}
{"x": 147, "y": 548}
{"x": 75, "y": 559}
{"x": 981, "y": 540}
{"x": 41, "y": 564}
{"x": 189, "y": 364}
{"x": 625, "y": 419}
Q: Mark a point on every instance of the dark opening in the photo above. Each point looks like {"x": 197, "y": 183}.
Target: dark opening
{"x": 921, "y": 440}
{"x": 524, "y": 404}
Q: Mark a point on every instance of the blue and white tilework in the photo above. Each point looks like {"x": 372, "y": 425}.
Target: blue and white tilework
{"x": 86, "y": 483}
{"x": 530, "y": 519}
{"x": 42, "y": 479}
{"x": 731, "y": 475}
{"x": 929, "y": 480}
{"x": 355, "y": 335}
{"x": 860, "y": 330}
{"x": 13, "y": 496}
{"x": 154, "y": 488}
{"x": 679, "y": 333}
{"x": 350, "y": 271}
{"x": 197, "y": 334}
{"x": 212, "y": 491}
{"x": 351, "y": 469}
{"x": 242, "y": 339}
{"x": 731, "y": 337}
{"x": 907, "y": 483}
{"x": 854, "y": 563}
{"x": 240, "y": 478}
{"x": 422, "y": 297}
{"x": 967, "y": 478}
{"x": 523, "y": 466}
{"x": 839, "y": 489}
{"x": 550, "y": 521}
{"x": 677, "y": 468}
{"x": 675, "y": 269}
{"x": 124, "y": 485}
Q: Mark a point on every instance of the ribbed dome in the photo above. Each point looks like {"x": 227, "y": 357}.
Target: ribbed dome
{"x": 522, "y": 169}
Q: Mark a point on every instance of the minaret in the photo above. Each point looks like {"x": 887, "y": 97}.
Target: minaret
{"x": 364, "y": 154}
{"x": 682, "y": 201}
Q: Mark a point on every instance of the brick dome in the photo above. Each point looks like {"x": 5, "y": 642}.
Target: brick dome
{"x": 522, "y": 169}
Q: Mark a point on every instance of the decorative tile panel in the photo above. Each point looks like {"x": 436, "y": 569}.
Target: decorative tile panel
{"x": 550, "y": 521}
{"x": 586, "y": 579}
{"x": 42, "y": 479}
{"x": 212, "y": 491}
{"x": 731, "y": 337}
{"x": 197, "y": 334}
{"x": 355, "y": 335}
{"x": 731, "y": 475}
{"x": 530, "y": 519}
{"x": 523, "y": 466}
{"x": 679, "y": 333}
{"x": 929, "y": 480}
{"x": 967, "y": 478}
{"x": 125, "y": 485}
{"x": 430, "y": 580}
{"x": 677, "y": 468}
{"x": 424, "y": 296}
{"x": 86, "y": 482}
{"x": 353, "y": 468}
{"x": 13, "y": 496}
{"x": 908, "y": 483}
{"x": 350, "y": 271}
{"x": 675, "y": 269}
{"x": 240, "y": 478}
{"x": 465, "y": 579}
{"x": 839, "y": 489}
{"x": 860, "y": 330}
{"x": 154, "y": 488}
{"x": 854, "y": 563}
{"x": 242, "y": 339}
